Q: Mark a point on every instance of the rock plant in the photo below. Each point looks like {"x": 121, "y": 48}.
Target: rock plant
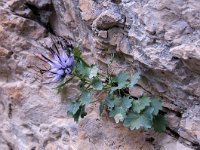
{"x": 134, "y": 112}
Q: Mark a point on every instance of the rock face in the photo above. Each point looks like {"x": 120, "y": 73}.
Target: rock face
{"x": 161, "y": 38}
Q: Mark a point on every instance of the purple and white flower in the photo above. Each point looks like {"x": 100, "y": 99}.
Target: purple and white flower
{"x": 60, "y": 63}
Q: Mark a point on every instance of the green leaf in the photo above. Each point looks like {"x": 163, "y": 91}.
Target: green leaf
{"x": 149, "y": 112}
{"x": 113, "y": 101}
{"x": 156, "y": 104}
{"x": 82, "y": 69}
{"x": 118, "y": 113}
{"x": 136, "y": 121}
{"x": 145, "y": 121}
{"x": 76, "y": 52}
{"x": 121, "y": 79}
{"x": 110, "y": 101}
{"x": 126, "y": 102}
{"x": 93, "y": 71}
{"x": 85, "y": 97}
{"x": 73, "y": 107}
{"x": 141, "y": 103}
{"x": 148, "y": 115}
{"x": 130, "y": 119}
{"x": 97, "y": 84}
{"x": 159, "y": 123}
{"x": 134, "y": 79}
{"x": 121, "y": 106}
{"x": 80, "y": 113}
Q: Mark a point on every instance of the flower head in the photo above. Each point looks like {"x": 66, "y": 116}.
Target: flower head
{"x": 60, "y": 64}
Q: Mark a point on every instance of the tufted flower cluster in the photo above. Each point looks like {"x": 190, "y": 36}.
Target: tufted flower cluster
{"x": 60, "y": 63}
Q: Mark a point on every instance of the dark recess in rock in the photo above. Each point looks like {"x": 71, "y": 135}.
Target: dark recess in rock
{"x": 40, "y": 17}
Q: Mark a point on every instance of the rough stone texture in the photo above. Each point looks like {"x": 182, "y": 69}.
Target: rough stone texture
{"x": 159, "y": 37}
{"x": 189, "y": 125}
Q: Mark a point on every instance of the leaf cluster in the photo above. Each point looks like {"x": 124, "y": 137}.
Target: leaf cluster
{"x": 133, "y": 112}
{"x": 89, "y": 81}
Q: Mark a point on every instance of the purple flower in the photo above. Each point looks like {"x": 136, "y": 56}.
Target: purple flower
{"x": 60, "y": 64}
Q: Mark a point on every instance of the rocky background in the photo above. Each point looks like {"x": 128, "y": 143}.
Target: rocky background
{"x": 160, "y": 37}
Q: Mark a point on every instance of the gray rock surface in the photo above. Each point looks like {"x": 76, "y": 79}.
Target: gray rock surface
{"x": 161, "y": 38}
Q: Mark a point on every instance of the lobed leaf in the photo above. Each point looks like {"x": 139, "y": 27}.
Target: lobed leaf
{"x": 118, "y": 107}
{"x": 141, "y": 103}
{"x": 134, "y": 79}
{"x": 126, "y": 102}
{"x": 80, "y": 113}
{"x": 130, "y": 120}
{"x": 110, "y": 101}
{"x": 73, "y": 107}
{"x": 135, "y": 121}
{"x": 118, "y": 113}
{"x": 97, "y": 84}
{"x": 93, "y": 71}
{"x": 156, "y": 104}
{"x": 121, "y": 79}
{"x": 85, "y": 97}
{"x": 159, "y": 123}
{"x": 82, "y": 69}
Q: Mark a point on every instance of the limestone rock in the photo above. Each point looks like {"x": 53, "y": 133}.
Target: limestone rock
{"x": 103, "y": 34}
{"x": 3, "y": 52}
{"x": 173, "y": 121}
{"x": 136, "y": 91}
{"x": 189, "y": 125}
{"x": 169, "y": 143}
{"x": 107, "y": 19}
{"x": 192, "y": 16}
{"x": 189, "y": 53}
{"x": 89, "y": 11}
{"x": 161, "y": 38}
